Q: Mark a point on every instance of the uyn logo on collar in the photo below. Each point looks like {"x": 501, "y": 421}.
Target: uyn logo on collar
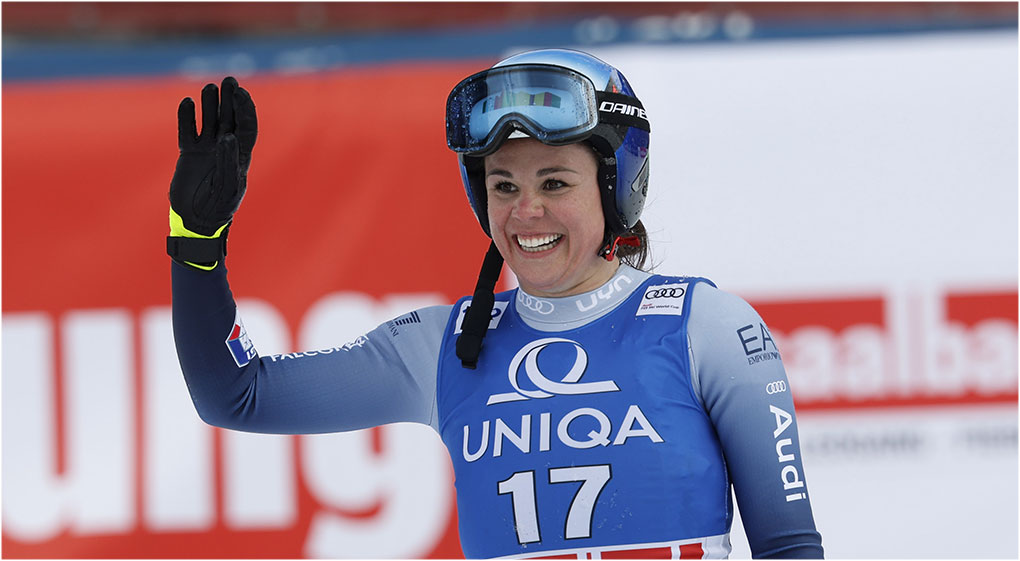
{"x": 569, "y": 384}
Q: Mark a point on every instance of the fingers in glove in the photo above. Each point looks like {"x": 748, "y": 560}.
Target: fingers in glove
{"x": 228, "y": 172}
{"x": 246, "y": 122}
{"x": 186, "y": 133}
{"x": 227, "y": 89}
{"x": 210, "y": 103}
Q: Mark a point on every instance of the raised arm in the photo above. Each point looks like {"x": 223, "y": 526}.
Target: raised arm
{"x": 380, "y": 378}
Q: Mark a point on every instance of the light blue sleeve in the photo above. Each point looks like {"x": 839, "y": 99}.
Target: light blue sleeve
{"x": 738, "y": 373}
{"x": 386, "y": 376}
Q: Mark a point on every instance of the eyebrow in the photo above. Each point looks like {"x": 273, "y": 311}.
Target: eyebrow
{"x": 544, "y": 171}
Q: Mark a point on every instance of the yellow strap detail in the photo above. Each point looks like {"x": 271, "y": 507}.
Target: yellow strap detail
{"x": 177, "y": 229}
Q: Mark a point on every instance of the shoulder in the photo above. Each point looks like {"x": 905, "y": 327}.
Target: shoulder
{"x": 420, "y": 330}
{"x": 730, "y": 343}
{"x": 723, "y": 328}
{"x": 427, "y": 317}
{"x": 711, "y": 305}
{"x": 434, "y": 314}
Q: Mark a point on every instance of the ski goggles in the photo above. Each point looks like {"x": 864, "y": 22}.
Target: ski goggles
{"x": 552, "y": 104}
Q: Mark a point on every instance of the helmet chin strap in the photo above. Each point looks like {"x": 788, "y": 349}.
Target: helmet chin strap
{"x": 608, "y": 251}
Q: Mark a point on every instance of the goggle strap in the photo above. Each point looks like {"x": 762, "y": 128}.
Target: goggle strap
{"x": 479, "y": 313}
{"x": 620, "y": 109}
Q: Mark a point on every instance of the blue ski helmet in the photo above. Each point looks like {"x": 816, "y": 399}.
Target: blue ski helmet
{"x": 557, "y": 96}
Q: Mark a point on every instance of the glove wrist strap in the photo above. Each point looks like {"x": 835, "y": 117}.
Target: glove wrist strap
{"x": 196, "y": 250}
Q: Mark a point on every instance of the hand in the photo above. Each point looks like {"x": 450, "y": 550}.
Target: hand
{"x": 212, "y": 171}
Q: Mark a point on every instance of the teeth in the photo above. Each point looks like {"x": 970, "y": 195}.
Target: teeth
{"x": 538, "y": 243}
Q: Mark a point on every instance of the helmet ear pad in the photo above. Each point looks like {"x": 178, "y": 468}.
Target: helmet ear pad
{"x": 631, "y": 175}
{"x": 623, "y": 175}
{"x": 603, "y": 141}
{"x": 472, "y": 171}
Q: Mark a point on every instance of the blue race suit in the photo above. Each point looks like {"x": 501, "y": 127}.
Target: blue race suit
{"x": 611, "y": 423}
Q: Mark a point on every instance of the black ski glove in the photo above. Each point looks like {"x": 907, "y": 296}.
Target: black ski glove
{"x": 211, "y": 174}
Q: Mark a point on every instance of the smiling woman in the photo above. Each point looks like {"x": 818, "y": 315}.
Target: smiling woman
{"x": 610, "y": 412}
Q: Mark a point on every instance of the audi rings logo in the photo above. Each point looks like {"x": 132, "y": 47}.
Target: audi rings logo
{"x": 569, "y": 383}
{"x": 665, "y": 292}
{"x": 663, "y": 300}
{"x": 537, "y": 305}
{"x": 779, "y": 386}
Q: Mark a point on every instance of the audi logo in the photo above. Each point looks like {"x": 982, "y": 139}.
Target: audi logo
{"x": 543, "y": 307}
{"x": 778, "y": 386}
{"x": 668, "y": 292}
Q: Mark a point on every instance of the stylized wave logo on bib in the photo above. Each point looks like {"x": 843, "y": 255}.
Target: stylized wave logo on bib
{"x": 568, "y": 384}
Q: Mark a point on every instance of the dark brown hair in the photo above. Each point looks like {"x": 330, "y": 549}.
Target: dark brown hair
{"x": 635, "y": 256}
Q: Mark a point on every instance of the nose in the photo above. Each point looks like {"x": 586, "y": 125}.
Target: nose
{"x": 528, "y": 205}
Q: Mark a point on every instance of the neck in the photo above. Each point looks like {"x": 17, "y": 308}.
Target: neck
{"x": 569, "y": 312}
{"x": 605, "y": 271}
